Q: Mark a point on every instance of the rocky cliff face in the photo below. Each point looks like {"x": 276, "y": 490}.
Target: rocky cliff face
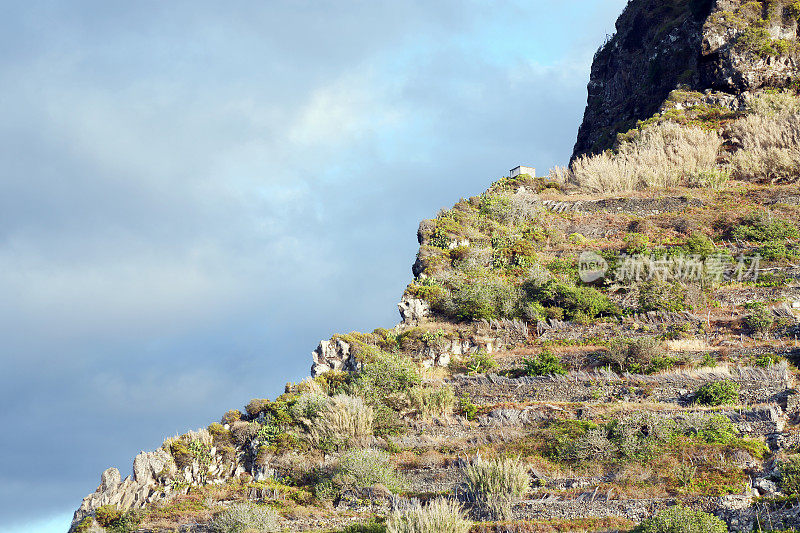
{"x": 729, "y": 46}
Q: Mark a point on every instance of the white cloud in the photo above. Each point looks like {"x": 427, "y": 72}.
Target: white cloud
{"x": 346, "y": 110}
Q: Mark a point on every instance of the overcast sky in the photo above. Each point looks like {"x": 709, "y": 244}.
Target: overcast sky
{"x": 194, "y": 193}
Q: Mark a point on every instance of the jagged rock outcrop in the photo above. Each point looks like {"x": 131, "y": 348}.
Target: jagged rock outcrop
{"x": 732, "y": 46}
{"x": 149, "y": 468}
{"x": 337, "y": 354}
{"x": 330, "y": 355}
{"x": 156, "y": 478}
{"x": 413, "y": 310}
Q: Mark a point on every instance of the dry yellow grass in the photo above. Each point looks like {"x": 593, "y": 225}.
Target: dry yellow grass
{"x": 688, "y": 345}
{"x": 661, "y": 156}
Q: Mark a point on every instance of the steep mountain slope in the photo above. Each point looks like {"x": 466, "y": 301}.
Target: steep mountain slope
{"x": 612, "y": 344}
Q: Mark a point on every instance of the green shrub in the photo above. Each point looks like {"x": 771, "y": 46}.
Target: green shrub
{"x": 794, "y": 9}
{"x": 638, "y": 437}
{"x": 267, "y": 434}
{"x": 107, "y": 515}
{"x": 769, "y": 279}
{"x": 218, "y": 432}
{"x": 308, "y": 406}
{"x": 245, "y": 517}
{"x": 790, "y": 475}
{"x": 699, "y": 244}
{"x": 638, "y": 356}
{"x": 579, "y": 441}
{"x": 85, "y": 525}
{"x": 387, "y": 421}
{"x": 656, "y": 295}
{"x": 477, "y": 363}
{"x": 432, "y": 401}
{"x": 568, "y": 269}
{"x": 717, "y": 429}
{"x": 482, "y": 298}
{"x": 386, "y": 375}
{"x": 334, "y": 382}
{"x": 325, "y": 490}
{"x": 467, "y": 408}
{"x": 497, "y": 484}
{"x": 718, "y": 393}
{"x": 682, "y": 520}
{"x": 757, "y": 40}
{"x": 774, "y": 251}
{"x": 759, "y": 227}
{"x": 231, "y": 416}
{"x": 114, "y": 520}
{"x": 767, "y": 360}
{"x": 361, "y": 469}
{"x": 256, "y": 406}
{"x": 708, "y": 361}
{"x": 496, "y": 207}
{"x": 544, "y": 364}
{"x": 345, "y": 420}
{"x": 127, "y": 523}
{"x": 181, "y": 454}
{"x": 577, "y": 239}
{"x": 370, "y": 527}
{"x": 760, "y": 319}
{"x": 637, "y": 243}
{"x": 439, "y": 516}
{"x": 577, "y": 302}
{"x": 709, "y": 178}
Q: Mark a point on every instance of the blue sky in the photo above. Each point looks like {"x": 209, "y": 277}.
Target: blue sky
{"x": 194, "y": 193}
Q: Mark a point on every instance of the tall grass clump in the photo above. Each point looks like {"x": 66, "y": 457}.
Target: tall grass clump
{"x": 768, "y": 147}
{"x": 245, "y": 517}
{"x": 344, "y": 420}
{"x": 497, "y": 484}
{"x": 663, "y": 155}
{"x": 766, "y": 139}
{"x": 432, "y": 401}
{"x": 439, "y": 516}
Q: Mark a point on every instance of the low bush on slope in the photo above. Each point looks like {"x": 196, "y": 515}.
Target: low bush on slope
{"x": 245, "y": 518}
{"x": 682, "y": 520}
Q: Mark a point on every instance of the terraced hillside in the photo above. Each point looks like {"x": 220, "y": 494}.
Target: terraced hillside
{"x": 618, "y": 398}
{"x": 613, "y": 346}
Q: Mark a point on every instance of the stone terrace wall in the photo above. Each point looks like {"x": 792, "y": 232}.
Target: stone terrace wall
{"x": 757, "y": 385}
{"x": 735, "y": 510}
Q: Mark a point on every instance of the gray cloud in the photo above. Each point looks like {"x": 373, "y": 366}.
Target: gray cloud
{"x": 193, "y": 195}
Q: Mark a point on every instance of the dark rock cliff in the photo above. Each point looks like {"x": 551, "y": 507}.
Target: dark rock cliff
{"x": 730, "y": 46}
